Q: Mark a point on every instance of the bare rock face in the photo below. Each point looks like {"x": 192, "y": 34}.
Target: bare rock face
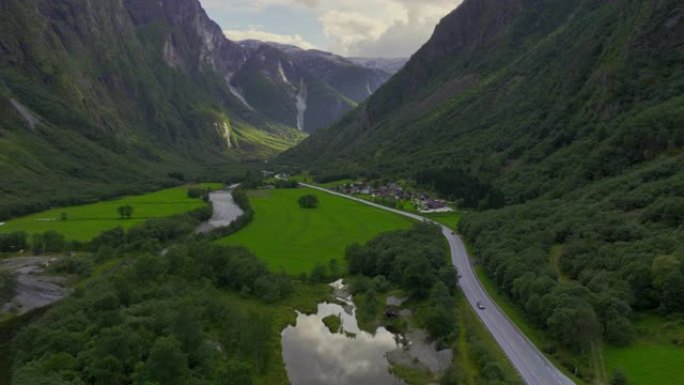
{"x": 192, "y": 41}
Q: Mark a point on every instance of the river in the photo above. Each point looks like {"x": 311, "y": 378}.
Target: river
{"x": 225, "y": 210}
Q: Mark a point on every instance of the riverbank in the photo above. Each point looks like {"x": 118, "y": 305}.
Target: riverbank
{"x": 34, "y": 288}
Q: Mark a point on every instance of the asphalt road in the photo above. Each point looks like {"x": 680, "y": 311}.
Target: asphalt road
{"x": 532, "y": 365}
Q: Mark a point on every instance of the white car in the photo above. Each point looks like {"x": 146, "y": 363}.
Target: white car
{"x": 480, "y": 305}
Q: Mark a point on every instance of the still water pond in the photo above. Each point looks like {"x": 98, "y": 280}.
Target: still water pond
{"x": 314, "y": 356}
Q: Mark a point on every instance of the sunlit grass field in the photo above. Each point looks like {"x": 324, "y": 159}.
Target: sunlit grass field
{"x": 87, "y": 221}
{"x": 295, "y": 240}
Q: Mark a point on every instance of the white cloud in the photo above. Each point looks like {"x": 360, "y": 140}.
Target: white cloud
{"x": 255, "y": 34}
{"x": 389, "y": 28}
{"x": 255, "y": 5}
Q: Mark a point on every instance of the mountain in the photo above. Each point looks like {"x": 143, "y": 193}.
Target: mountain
{"x": 389, "y": 65}
{"x": 510, "y": 87}
{"x": 104, "y": 97}
{"x": 307, "y": 89}
{"x": 562, "y": 124}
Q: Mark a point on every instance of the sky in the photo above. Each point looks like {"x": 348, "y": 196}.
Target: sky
{"x": 366, "y": 28}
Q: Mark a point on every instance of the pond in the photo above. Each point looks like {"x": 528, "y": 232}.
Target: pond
{"x": 314, "y": 355}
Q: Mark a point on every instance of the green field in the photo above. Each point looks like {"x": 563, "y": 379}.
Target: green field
{"x": 87, "y": 221}
{"x": 295, "y": 240}
{"x": 653, "y": 359}
{"x": 448, "y": 219}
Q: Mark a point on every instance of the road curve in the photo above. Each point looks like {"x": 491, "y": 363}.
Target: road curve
{"x": 531, "y": 364}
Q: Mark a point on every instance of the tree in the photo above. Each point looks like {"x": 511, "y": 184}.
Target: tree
{"x": 618, "y": 378}
{"x": 662, "y": 267}
{"x": 575, "y": 325}
{"x": 13, "y": 241}
{"x": 334, "y": 268}
{"x": 418, "y": 276}
{"x": 252, "y": 179}
{"x": 167, "y": 363}
{"x": 319, "y": 274}
{"x": 308, "y": 201}
{"x": 54, "y": 242}
{"x": 439, "y": 321}
{"x": 673, "y": 292}
{"x": 370, "y": 305}
{"x": 235, "y": 373}
{"x": 125, "y": 212}
{"x": 48, "y": 242}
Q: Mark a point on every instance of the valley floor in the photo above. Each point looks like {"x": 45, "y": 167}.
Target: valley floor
{"x": 84, "y": 222}
{"x": 295, "y": 240}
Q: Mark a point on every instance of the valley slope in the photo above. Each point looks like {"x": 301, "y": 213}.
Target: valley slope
{"x": 105, "y": 98}
{"x": 100, "y": 98}
{"x": 566, "y": 121}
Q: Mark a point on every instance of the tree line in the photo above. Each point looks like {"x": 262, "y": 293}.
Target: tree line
{"x": 455, "y": 184}
{"x": 157, "y": 317}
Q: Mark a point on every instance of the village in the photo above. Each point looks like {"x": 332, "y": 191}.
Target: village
{"x": 386, "y": 193}
{"x": 394, "y": 192}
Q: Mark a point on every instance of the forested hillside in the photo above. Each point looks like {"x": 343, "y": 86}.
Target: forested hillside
{"x": 561, "y": 124}
{"x": 104, "y": 97}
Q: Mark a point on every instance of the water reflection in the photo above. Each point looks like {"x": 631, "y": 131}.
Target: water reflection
{"x": 314, "y": 356}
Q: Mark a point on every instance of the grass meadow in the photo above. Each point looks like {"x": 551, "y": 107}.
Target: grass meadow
{"x": 295, "y": 240}
{"x": 653, "y": 359}
{"x": 87, "y": 221}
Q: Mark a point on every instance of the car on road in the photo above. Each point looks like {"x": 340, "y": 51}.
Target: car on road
{"x": 480, "y": 305}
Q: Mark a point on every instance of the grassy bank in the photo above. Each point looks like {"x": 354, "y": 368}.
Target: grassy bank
{"x": 86, "y": 221}
{"x": 295, "y": 240}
